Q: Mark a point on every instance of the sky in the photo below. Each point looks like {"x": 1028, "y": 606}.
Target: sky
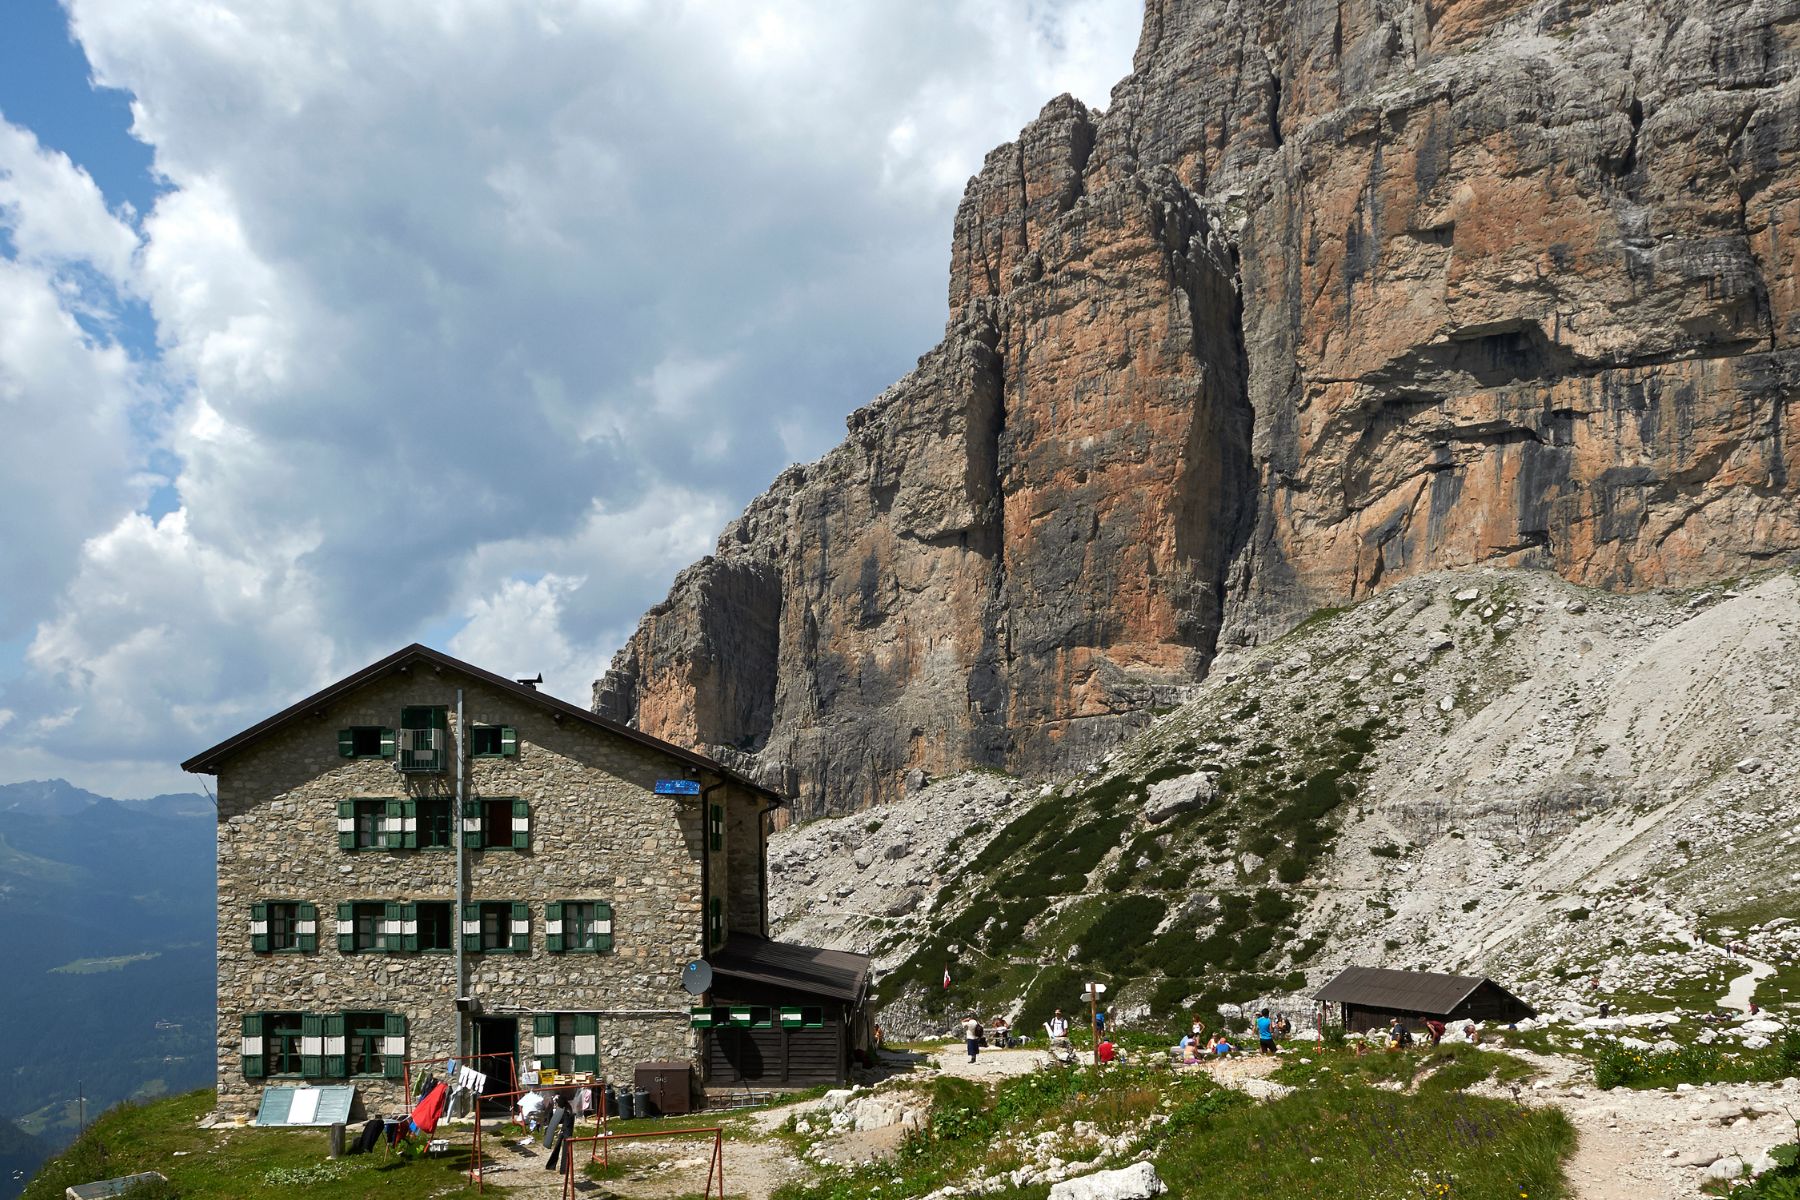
{"x": 327, "y": 326}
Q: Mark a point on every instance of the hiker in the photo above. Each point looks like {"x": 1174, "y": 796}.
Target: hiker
{"x": 971, "y": 1028}
{"x": 1198, "y": 1028}
{"x": 1099, "y": 1022}
{"x": 1472, "y": 1031}
{"x": 561, "y": 1129}
{"x": 1105, "y": 1052}
{"x": 1220, "y": 1048}
{"x": 1283, "y": 1028}
{"x": 1190, "y": 1051}
{"x": 1265, "y": 1032}
{"x": 1002, "y": 1033}
{"x": 1435, "y": 1028}
{"x": 878, "y": 1037}
{"x": 1058, "y": 1028}
{"x": 1605, "y": 1009}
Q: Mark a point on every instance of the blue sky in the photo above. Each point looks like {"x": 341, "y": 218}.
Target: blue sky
{"x": 326, "y": 327}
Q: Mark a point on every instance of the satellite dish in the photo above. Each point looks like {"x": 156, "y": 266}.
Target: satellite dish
{"x": 696, "y": 977}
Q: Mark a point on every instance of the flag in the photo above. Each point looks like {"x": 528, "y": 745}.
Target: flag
{"x": 946, "y": 978}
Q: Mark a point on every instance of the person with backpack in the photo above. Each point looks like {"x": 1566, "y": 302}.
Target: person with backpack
{"x": 1265, "y": 1031}
{"x": 559, "y": 1128}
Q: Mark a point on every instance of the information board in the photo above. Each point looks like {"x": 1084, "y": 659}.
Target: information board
{"x": 305, "y": 1105}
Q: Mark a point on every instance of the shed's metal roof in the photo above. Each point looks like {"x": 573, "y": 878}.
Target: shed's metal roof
{"x": 207, "y": 761}
{"x": 1407, "y": 991}
{"x": 839, "y": 974}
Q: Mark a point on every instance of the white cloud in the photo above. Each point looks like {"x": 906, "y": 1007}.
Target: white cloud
{"x": 480, "y": 313}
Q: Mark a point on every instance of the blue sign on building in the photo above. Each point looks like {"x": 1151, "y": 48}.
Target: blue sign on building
{"x": 678, "y": 787}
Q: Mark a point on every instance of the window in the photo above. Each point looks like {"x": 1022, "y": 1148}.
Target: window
{"x": 424, "y": 738}
{"x": 497, "y": 927}
{"x": 433, "y": 925}
{"x": 493, "y": 741}
{"x": 366, "y": 741}
{"x": 566, "y": 1041}
{"x": 496, "y": 823}
{"x": 333, "y": 1045}
{"x": 578, "y": 926}
{"x": 284, "y": 925}
{"x": 432, "y": 823}
{"x": 716, "y": 826}
{"x": 369, "y": 927}
{"x": 364, "y": 825}
{"x": 364, "y": 1035}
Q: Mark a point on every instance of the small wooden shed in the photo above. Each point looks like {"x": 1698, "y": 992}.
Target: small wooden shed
{"x": 1371, "y": 997}
{"x": 782, "y": 1015}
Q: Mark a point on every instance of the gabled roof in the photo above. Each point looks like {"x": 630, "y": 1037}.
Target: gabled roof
{"x": 207, "y": 761}
{"x": 1406, "y": 991}
{"x": 838, "y": 974}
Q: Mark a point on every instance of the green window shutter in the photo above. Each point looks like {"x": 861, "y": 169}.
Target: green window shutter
{"x": 393, "y": 1046}
{"x": 718, "y": 827}
{"x": 393, "y": 928}
{"x": 312, "y": 1045}
{"x": 387, "y": 743}
{"x": 553, "y": 930}
{"x": 587, "y": 1042}
{"x": 409, "y": 927}
{"x": 509, "y": 741}
{"x": 543, "y": 1040}
{"x": 346, "y": 929}
{"x": 409, "y": 824}
{"x": 521, "y": 928}
{"x": 393, "y": 824}
{"x": 346, "y": 824}
{"x": 471, "y": 926}
{"x": 259, "y": 927}
{"x": 252, "y": 1046}
{"x": 347, "y": 743}
{"x": 716, "y": 925}
{"x": 472, "y": 822}
{"x": 337, "y": 1056}
{"x": 306, "y": 929}
{"x": 603, "y": 932}
{"x": 521, "y": 824}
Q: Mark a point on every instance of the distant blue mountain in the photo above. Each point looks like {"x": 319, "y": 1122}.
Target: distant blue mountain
{"x": 107, "y": 930}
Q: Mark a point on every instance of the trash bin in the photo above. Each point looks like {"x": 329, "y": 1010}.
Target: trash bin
{"x": 669, "y": 1084}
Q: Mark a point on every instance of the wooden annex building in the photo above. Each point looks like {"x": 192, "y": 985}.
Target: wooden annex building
{"x": 1371, "y": 997}
{"x": 783, "y": 1015}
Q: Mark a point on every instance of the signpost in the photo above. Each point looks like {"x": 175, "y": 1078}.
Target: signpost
{"x": 678, "y": 787}
{"x": 1093, "y": 994}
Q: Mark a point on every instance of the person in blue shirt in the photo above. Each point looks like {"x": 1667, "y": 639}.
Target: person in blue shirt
{"x": 1265, "y": 1031}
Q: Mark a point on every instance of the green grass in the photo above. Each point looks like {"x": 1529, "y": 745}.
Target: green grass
{"x": 239, "y": 1164}
{"x": 1617, "y": 1066}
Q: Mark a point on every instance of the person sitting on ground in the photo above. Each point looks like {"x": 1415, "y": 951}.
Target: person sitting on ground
{"x": 1002, "y": 1033}
{"x": 1283, "y": 1028}
{"x": 1220, "y": 1048}
{"x": 1472, "y": 1031}
{"x": 1190, "y": 1052}
{"x": 1105, "y": 1052}
{"x": 531, "y": 1106}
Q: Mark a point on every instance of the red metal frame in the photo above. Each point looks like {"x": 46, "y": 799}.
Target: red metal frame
{"x": 475, "y": 1157}
{"x": 603, "y": 1147}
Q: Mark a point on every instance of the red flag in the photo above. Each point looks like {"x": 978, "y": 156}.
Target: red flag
{"x": 946, "y": 978}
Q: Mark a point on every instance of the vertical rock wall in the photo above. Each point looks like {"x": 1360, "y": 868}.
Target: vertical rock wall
{"x": 1332, "y": 294}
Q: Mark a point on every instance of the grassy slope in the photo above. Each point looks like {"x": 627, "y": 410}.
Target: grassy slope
{"x": 237, "y": 1164}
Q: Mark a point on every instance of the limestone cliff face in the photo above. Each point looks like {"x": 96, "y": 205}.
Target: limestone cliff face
{"x": 1331, "y": 295}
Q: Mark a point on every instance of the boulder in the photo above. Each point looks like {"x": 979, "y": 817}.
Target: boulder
{"x": 1139, "y": 1181}
{"x": 1172, "y": 797}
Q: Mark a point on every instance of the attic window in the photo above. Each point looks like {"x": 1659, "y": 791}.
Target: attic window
{"x": 366, "y": 741}
{"x": 493, "y": 741}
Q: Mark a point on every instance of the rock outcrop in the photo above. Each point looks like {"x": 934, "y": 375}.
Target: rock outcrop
{"x": 1329, "y": 297}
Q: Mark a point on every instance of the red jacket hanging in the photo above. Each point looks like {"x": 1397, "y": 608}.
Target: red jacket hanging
{"x": 430, "y": 1109}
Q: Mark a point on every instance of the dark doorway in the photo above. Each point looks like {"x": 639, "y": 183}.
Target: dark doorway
{"x": 497, "y": 1035}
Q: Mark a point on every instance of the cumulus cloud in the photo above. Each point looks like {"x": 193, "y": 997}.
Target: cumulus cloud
{"x": 477, "y": 318}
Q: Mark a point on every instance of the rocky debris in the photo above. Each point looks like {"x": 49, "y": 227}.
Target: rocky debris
{"x": 1172, "y": 797}
{"x": 1139, "y": 1181}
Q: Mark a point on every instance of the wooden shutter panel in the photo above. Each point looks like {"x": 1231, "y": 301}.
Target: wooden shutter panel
{"x": 553, "y": 928}
{"x": 393, "y": 1046}
{"x": 409, "y": 824}
{"x": 543, "y": 1039}
{"x": 347, "y": 743}
{"x": 259, "y": 927}
{"x": 393, "y": 824}
{"x": 393, "y": 928}
{"x": 306, "y": 928}
{"x": 337, "y": 1056}
{"x": 718, "y": 827}
{"x": 471, "y": 926}
{"x": 387, "y": 743}
{"x": 509, "y": 741}
{"x": 587, "y": 1042}
{"x": 409, "y": 927}
{"x": 312, "y": 1045}
{"x": 521, "y": 928}
{"x": 346, "y": 922}
{"x": 252, "y": 1047}
{"x": 603, "y": 931}
{"x": 716, "y": 926}
{"x": 346, "y": 824}
{"x": 471, "y": 821}
{"x": 521, "y": 829}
